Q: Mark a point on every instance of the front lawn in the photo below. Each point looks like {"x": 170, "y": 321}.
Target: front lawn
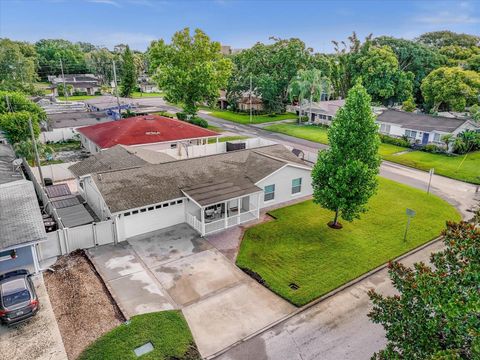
{"x": 244, "y": 118}
{"x": 299, "y": 248}
{"x": 450, "y": 166}
{"x": 460, "y": 167}
{"x": 227, "y": 138}
{"x": 166, "y": 330}
{"x": 66, "y": 145}
{"x": 78, "y": 97}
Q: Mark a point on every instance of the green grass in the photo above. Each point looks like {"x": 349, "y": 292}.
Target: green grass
{"x": 307, "y": 132}
{"x": 244, "y": 118}
{"x": 138, "y": 94}
{"x": 227, "y": 138}
{"x": 461, "y": 167}
{"x": 298, "y": 247}
{"x": 166, "y": 330}
{"x": 454, "y": 167}
{"x": 66, "y": 146}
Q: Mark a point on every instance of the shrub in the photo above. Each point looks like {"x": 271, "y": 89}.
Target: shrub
{"x": 394, "y": 141}
{"x": 409, "y": 105}
{"x": 165, "y": 114}
{"x": 432, "y": 148}
{"x": 79, "y": 93}
{"x": 181, "y": 116}
{"x": 199, "y": 122}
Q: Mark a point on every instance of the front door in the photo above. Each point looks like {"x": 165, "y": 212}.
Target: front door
{"x": 425, "y": 138}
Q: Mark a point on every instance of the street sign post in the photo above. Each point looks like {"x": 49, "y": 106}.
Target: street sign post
{"x": 410, "y": 214}
{"x": 431, "y": 172}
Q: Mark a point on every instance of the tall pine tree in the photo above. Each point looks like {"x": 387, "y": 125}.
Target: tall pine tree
{"x": 129, "y": 74}
{"x": 345, "y": 176}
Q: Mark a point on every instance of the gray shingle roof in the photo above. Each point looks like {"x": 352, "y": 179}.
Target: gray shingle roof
{"x": 420, "y": 122}
{"x": 77, "y": 118}
{"x": 20, "y": 218}
{"x": 151, "y": 184}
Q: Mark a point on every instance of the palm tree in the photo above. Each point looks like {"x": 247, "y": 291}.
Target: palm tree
{"x": 309, "y": 83}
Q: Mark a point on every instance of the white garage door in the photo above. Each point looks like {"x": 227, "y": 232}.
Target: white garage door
{"x": 151, "y": 220}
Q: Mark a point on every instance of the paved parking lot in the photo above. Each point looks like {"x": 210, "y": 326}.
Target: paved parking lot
{"x": 176, "y": 268}
{"x": 37, "y": 338}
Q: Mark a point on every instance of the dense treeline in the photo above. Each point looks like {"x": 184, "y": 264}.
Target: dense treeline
{"x": 436, "y": 71}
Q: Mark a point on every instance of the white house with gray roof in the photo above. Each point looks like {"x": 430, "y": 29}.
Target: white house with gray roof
{"x": 210, "y": 193}
{"x": 422, "y": 128}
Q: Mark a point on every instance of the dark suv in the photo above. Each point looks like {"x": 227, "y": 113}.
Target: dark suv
{"x": 18, "y": 300}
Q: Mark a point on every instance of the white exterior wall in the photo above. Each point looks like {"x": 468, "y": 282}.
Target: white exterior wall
{"x": 89, "y": 145}
{"x": 150, "y": 220}
{"x": 168, "y": 144}
{"x": 90, "y": 193}
{"x": 283, "y": 185}
{"x": 398, "y": 131}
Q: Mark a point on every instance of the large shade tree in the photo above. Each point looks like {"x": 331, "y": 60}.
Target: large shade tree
{"x": 345, "y": 176}
{"x": 437, "y": 312}
{"x": 191, "y": 69}
{"x": 451, "y": 88}
{"x": 128, "y": 80}
{"x": 440, "y": 39}
{"x": 51, "y": 51}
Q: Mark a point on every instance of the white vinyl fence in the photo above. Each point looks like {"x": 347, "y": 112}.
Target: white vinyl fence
{"x": 66, "y": 240}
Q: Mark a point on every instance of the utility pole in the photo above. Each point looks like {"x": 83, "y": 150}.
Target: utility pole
{"x": 9, "y": 109}
{"x": 430, "y": 179}
{"x": 65, "y": 91}
{"x": 37, "y": 158}
{"x": 251, "y": 98}
{"x": 116, "y": 89}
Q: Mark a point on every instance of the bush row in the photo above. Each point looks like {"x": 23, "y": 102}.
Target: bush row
{"x": 193, "y": 120}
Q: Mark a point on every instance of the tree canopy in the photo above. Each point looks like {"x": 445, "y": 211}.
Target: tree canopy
{"x": 191, "y": 70}
{"x": 50, "y": 51}
{"x": 451, "y": 88}
{"x": 436, "y": 314}
{"x": 129, "y": 74}
{"x": 443, "y": 38}
{"x": 345, "y": 176}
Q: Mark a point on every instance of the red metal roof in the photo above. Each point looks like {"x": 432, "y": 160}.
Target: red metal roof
{"x": 143, "y": 130}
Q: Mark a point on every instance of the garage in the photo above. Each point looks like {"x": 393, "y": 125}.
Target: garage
{"x": 155, "y": 217}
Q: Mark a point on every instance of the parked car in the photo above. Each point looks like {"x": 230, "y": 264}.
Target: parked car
{"x": 18, "y": 300}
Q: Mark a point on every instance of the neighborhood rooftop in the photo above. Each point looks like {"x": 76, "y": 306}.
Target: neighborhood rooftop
{"x": 117, "y": 158}
{"x": 143, "y": 130}
{"x": 151, "y": 184}
{"x": 420, "y": 122}
{"x": 77, "y": 118}
{"x": 8, "y": 171}
{"x": 20, "y": 221}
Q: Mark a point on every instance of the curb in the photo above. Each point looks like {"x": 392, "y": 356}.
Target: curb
{"x": 322, "y": 298}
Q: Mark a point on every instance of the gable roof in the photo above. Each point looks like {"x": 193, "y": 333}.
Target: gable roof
{"x": 8, "y": 171}
{"x": 145, "y": 185}
{"x": 329, "y": 107}
{"x": 421, "y": 122}
{"x": 20, "y": 221}
{"x": 146, "y": 129}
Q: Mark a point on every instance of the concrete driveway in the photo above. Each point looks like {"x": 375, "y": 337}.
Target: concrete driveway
{"x": 176, "y": 268}
{"x": 37, "y": 338}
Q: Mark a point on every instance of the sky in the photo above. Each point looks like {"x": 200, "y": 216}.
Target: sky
{"x": 239, "y": 24}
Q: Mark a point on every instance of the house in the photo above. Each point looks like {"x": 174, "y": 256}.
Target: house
{"x": 146, "y": 85}
{"x": 422, "y": 128}
{"x": 21, "y": 223}
{"x": 85, "y": 84}
{"x": 210, "y": 193}
{"x": 149, "y": 131}
{"x": 55, "y": 106}
{"x": 323, "y": 112}
{"x": 250, "y": 100}
{"x": 109, "y": 104}
{"x": 63, "y": 126}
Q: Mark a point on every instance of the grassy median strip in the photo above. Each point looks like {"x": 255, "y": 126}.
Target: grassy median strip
{"x": 299, "y": 249}
{"x": 460, "y": 167}
{"x": 166, "y": 330}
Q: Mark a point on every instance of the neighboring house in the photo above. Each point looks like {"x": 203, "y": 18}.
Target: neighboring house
{"x": 246, "y": 102}
{"x": 54, "y": 106}
{"x": 422, "y": 128}
{"x": 222, "y": 102}
{"x": 146, "y": 85}
{"x": 88, "y": 84}
{"x": 63, "y": 126}
{"x": 150, "y": 131}
{"x": 109, "y": 105}
{"x": 323, "y": 112}
{"x": 21, "y": 223}
{"x": 210, "y": 193}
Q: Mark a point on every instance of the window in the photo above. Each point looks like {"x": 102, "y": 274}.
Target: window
{"x": 436, "y": 137}
{"x": 269, "y": 193}
{"x": 179, "y": 201}
{"x": 173, "y": 146}
{"x": 172, "y": 203}
{"x": 143, "y": 210}
{"x": 411, "y": 134}
{"x": 165, "y": 205}
{"x": 384, "y": 128}
{"x": 134, "y": 212}
{"x": 158, "y": 206}
{"x": 296, "y": 185}
{"x": 126, "y": 214}
{"x": 150, "y": 208}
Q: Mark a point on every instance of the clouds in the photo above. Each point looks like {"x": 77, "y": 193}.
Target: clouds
{"x": 105, "y": 2}
{"x": 447, "y": 18}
